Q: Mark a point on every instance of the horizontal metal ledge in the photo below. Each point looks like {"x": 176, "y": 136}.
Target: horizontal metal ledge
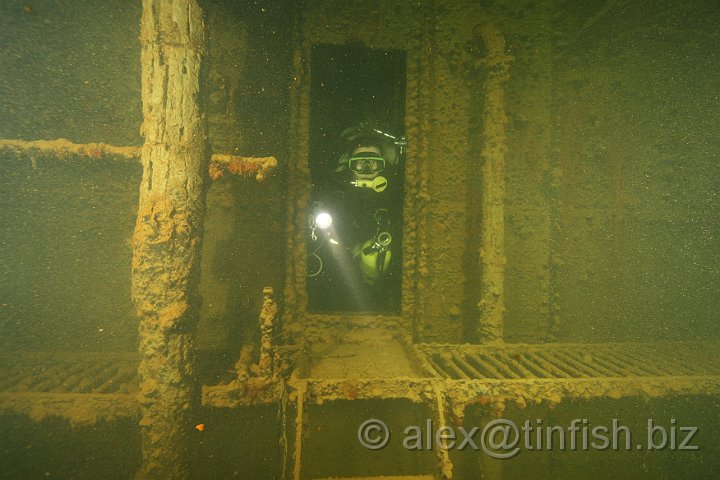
{"x": 487, "y": 391}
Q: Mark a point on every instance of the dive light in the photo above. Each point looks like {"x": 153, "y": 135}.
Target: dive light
{"x": 323, "y": 220}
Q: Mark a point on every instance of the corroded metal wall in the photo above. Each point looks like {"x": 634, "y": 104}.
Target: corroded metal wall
{"x": 248, "y": 67}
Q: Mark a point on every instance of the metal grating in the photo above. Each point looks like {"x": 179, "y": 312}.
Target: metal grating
{"x": 68, "y": 373}
{"x": 552, "y": 361}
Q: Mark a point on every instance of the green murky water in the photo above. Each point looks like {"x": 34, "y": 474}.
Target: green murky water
{"x": 610, "y": 234}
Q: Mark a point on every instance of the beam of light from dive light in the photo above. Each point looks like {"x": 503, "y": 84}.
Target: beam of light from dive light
{"x": 323, "y": 220}
{"x": 358, "y": 297}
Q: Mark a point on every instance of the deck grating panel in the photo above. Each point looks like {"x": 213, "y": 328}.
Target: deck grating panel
{"x": 511, "y": 362}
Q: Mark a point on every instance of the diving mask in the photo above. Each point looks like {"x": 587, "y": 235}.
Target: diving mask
{"x": 366, "y": 163}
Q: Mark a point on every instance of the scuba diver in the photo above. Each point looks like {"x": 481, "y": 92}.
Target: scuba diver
{"x": 354, "y": 224}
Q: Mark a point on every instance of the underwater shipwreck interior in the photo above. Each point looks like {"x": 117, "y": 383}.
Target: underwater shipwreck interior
{"x": 359, "y": 239}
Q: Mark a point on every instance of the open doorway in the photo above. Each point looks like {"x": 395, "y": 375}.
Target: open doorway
{"x": 357, "y": 161}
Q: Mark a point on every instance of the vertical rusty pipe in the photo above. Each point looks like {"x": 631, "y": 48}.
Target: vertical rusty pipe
{"x": 166, "y": 242}
{"x": 492, "y": 249}
{"x": 267, "y": 324}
